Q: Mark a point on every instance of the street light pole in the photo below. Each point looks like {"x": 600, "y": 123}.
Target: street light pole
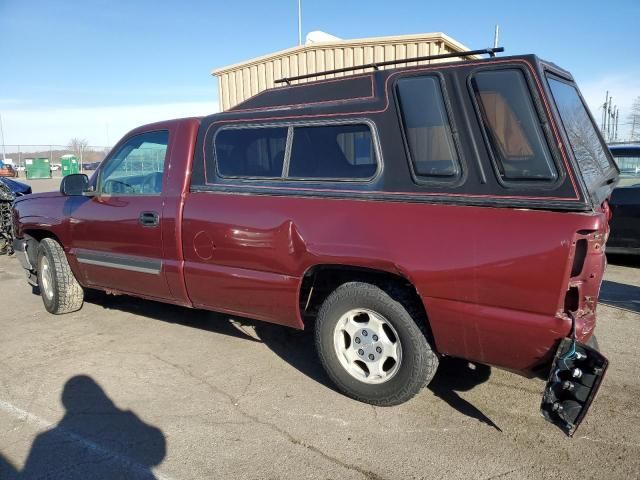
{"x": 4, "y": 148}
{"x": 299, "y": 22}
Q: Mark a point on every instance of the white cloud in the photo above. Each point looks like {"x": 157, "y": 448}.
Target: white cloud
{"x": 101, "y": 126}
{"x": 624, "y": 89}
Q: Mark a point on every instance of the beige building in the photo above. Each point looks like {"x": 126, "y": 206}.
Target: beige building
{"x": 238, "y": 82}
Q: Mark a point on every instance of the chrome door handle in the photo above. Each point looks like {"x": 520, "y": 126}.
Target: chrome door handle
{"x": 149, "y": 219}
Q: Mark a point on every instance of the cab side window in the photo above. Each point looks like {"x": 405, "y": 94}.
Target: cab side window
{"x": 512, "y": 125}
{"x": 137, "y": 167}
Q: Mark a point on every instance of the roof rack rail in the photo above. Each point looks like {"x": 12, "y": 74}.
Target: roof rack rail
{"x": 485, "y": 51}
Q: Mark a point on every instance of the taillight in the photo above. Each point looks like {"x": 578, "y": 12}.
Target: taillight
{"x": 606, "y": 209}
{"x": 585, "y": 274}
{"x": 579, "y": 256}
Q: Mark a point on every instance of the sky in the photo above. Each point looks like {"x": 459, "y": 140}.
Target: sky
{"x": 95, "y": 69}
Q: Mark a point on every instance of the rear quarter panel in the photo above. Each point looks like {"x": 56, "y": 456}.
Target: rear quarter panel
{"x": 492, "y": 279}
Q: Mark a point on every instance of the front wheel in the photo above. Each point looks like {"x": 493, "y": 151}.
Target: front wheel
{"x": 59, "y": 289}
{"x": 371, "y": 347}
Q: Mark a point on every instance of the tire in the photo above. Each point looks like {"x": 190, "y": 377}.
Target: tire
{"x": 364, "y": 306}
{"x": 59, "y": 289}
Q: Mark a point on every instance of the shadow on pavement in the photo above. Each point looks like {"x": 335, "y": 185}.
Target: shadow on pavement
{"x": 620, "y": 295}
{"x": 7, "y": 470}
{"x": 93, "y": 440}
{"x": 456, "y": 375}
{"x": 297, "y": 347}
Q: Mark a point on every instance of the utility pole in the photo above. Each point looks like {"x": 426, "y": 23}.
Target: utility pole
{"x": 299, "y": 22}
{"x": 609, "y": 119}
{"x": 4, "y": 148}
{"x": 604, "y": 113}
{"x": 606, "y": 116}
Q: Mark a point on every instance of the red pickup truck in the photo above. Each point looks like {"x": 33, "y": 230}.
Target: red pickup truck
{"x": 448, "y": 209}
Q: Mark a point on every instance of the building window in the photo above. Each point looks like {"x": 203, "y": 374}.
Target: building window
{"x": 332, "y": 152}
{"x": 426, "y": 126}
{"x": 251, "y": 152}
{"x": 512, "y": 125}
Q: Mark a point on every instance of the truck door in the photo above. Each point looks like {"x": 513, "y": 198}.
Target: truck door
{"x": 117, "y": 234}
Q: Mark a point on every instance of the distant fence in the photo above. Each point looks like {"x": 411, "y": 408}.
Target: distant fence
{"x": 87, "y": 156}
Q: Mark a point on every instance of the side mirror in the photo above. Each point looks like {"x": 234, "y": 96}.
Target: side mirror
{"x": 74, "y": 185}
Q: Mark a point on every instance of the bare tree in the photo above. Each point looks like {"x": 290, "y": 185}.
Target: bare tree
{"x": 634, "y": 119}
{"x": 78, "y": 146}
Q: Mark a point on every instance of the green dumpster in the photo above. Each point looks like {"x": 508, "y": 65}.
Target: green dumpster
{"x": 69, "y": 165}
{"x": 37, "y": 167}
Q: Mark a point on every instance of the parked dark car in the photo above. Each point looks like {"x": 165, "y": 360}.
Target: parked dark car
{"x": 7, "y": 171}
{"x": 405, "y": 214}
{"x": 18, "y": 188}
{"x": 90, "y": 166}
{"x": 625, "y": 223}
{"x": 624, "y": 236}
{"x": 627, "y": 156}
{"x": 9, "y": 191}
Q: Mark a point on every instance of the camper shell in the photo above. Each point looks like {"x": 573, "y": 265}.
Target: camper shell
{"x": 372, "y": 98}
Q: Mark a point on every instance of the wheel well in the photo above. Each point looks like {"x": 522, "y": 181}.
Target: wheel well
{"x": 35, "y": 237}
{"x": 319, "y": 281}
{"x": 39, "y": 235}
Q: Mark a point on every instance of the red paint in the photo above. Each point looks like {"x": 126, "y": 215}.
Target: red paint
{"x": 479, "y": 288}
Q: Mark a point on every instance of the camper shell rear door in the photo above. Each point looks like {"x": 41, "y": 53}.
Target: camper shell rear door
{"x": 581, "y": 136}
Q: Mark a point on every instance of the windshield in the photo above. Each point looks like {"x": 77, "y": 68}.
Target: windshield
{"x": 584, "y": 139}
{"x": 628, "y": 159}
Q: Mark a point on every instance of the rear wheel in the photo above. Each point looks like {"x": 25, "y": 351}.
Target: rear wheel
{"x": 59, "y": 289}
{"x": 371, "y": 347}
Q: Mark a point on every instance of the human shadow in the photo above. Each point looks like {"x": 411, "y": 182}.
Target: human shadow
{"x": 7, "y": 469}
{"x": 94, "y": 439}
{"x": 620, "y": 295}
{"x": 455, "y": 375}
{"x": 297, "y": 347}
